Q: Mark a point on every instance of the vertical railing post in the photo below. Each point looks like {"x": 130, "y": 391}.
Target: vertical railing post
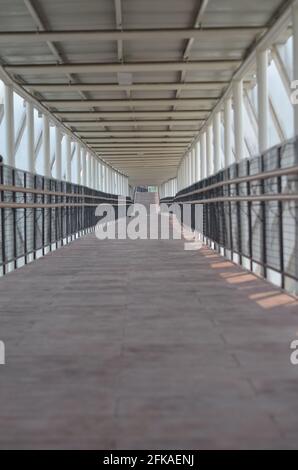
{"x": 25, "y": 220}
{"x": 2, "y": 198}
{"x": 249, "y": 218}
{"x": 263, "y": 218}
{"x": 34, "y": 218}
{"x": 14, "y": 216}
{"x": 280, "y": 225}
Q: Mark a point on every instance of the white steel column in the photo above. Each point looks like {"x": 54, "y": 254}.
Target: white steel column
{"x": 103, "y": 171}
{"x": 9, "y": 125}
{"x": 181, "y": 184}
{"x": 84, "y": 167}
{"x": 295, "y": 58}
{"x": 30, "y": 137}
{"x": 93, "y": 172}
{"x": 107, "y": 179}
{"x": 78, "y": 162}
{"x": 113, "y": 181}
{"x": 238, "y": 119}
{"x": 99, "y": 176}
{"x": 68, "y": 157}
{"x": 58, "y": 138}
{"x": 89, "y": 170}
{"x": 263, "y": 100}
{"x": 217, "y": 141}
{"x": 228, "y": 132}
{"x": 198, "y": 155}
{"x": 193, "y": 164}
{"x": 46, "y": 146}
{"x": 209, "y": 146}
{"x": 203, "y": 152}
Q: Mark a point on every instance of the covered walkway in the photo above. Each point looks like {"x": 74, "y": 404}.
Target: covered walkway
{"x": 145, "y": 345}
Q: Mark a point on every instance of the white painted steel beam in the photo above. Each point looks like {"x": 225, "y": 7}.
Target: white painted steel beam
{"x": 78, "y": 104}
{"x": 71, "y": 87}
{"x": 9, "y": 142}
{"x": 68, "y": 157}
{"x": 30, "y": 137}
{"x": 202, "y": 34}
{"x": 238, "y": 119}
{"x": 58, "y": 139}
{"x": 228, "y": 132}
{"x": 46, "y": 146}
{"x": 58, "y": 69}
{"x": 263, "y": 100}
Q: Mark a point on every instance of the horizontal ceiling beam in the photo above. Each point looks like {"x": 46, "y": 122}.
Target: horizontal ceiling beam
{"x": 137, "y": 140}
{"x": 78, "y": 104}
{"x": 211, "y": 33}
{"x": 166, "y": 161}
{"x": 165, "y": 122}
{"x": 147, "y": 165}
{"x": 140, "y": 151}
{"x": 137, "y": 145}
{"x": 82, "y": 68}
{"x": 56, "y": 87}
{"x": 143, "y": 133}
{"x": 131, "y": 114}
{"x": 149, "y": 162}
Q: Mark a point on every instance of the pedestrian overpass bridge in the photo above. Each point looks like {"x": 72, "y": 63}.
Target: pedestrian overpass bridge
{"x": 140, "y": 343}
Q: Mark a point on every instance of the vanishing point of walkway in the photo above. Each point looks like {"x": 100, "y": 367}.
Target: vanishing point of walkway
{"x": 140, "y": 344}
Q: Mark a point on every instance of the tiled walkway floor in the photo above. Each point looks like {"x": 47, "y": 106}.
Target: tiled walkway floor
{"x": 125, "y": 345}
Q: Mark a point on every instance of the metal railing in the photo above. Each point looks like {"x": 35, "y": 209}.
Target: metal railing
{"x": 38, "y": 214}
{"x": 251, "y": 212}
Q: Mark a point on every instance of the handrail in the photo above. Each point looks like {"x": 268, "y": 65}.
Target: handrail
{"x": 245, "y": 179}
{"x": 21, "y": 205}
{"x": 21, "y": 189}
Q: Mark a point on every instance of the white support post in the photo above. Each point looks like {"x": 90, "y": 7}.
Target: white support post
{"x": 107, "y": 179}
{"x": 68, "y": 157}
{"x": 89, "y": 170}
{"x": 78, "y": 162}
{"x": 93, "y": 172}
{"x": 9, "y": 125}
{"x": 99, "y": 176}
{"x": 238, "y": 119}
{"x": 84, "y": 167}
{"x": 209, "y": 146}
{"x": 112, "y": 180}
{"x": 198, "y": 157}
{"x": 228, "y": 132}
{"x": 203, "y": 152}
{"x": 193, "y": 165}
{"x": 46, "y": 146}
{"x": 58, "y": 138}
{"x": 189, "y": 159}
{"x": 103, "y": 178}
{"x": 217, "y": 141}
{"x": 263, "y": 100}
{"x": 181, "y": 169}
{"x": 30, "y": 137}
{"x": 295, "y": 58}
